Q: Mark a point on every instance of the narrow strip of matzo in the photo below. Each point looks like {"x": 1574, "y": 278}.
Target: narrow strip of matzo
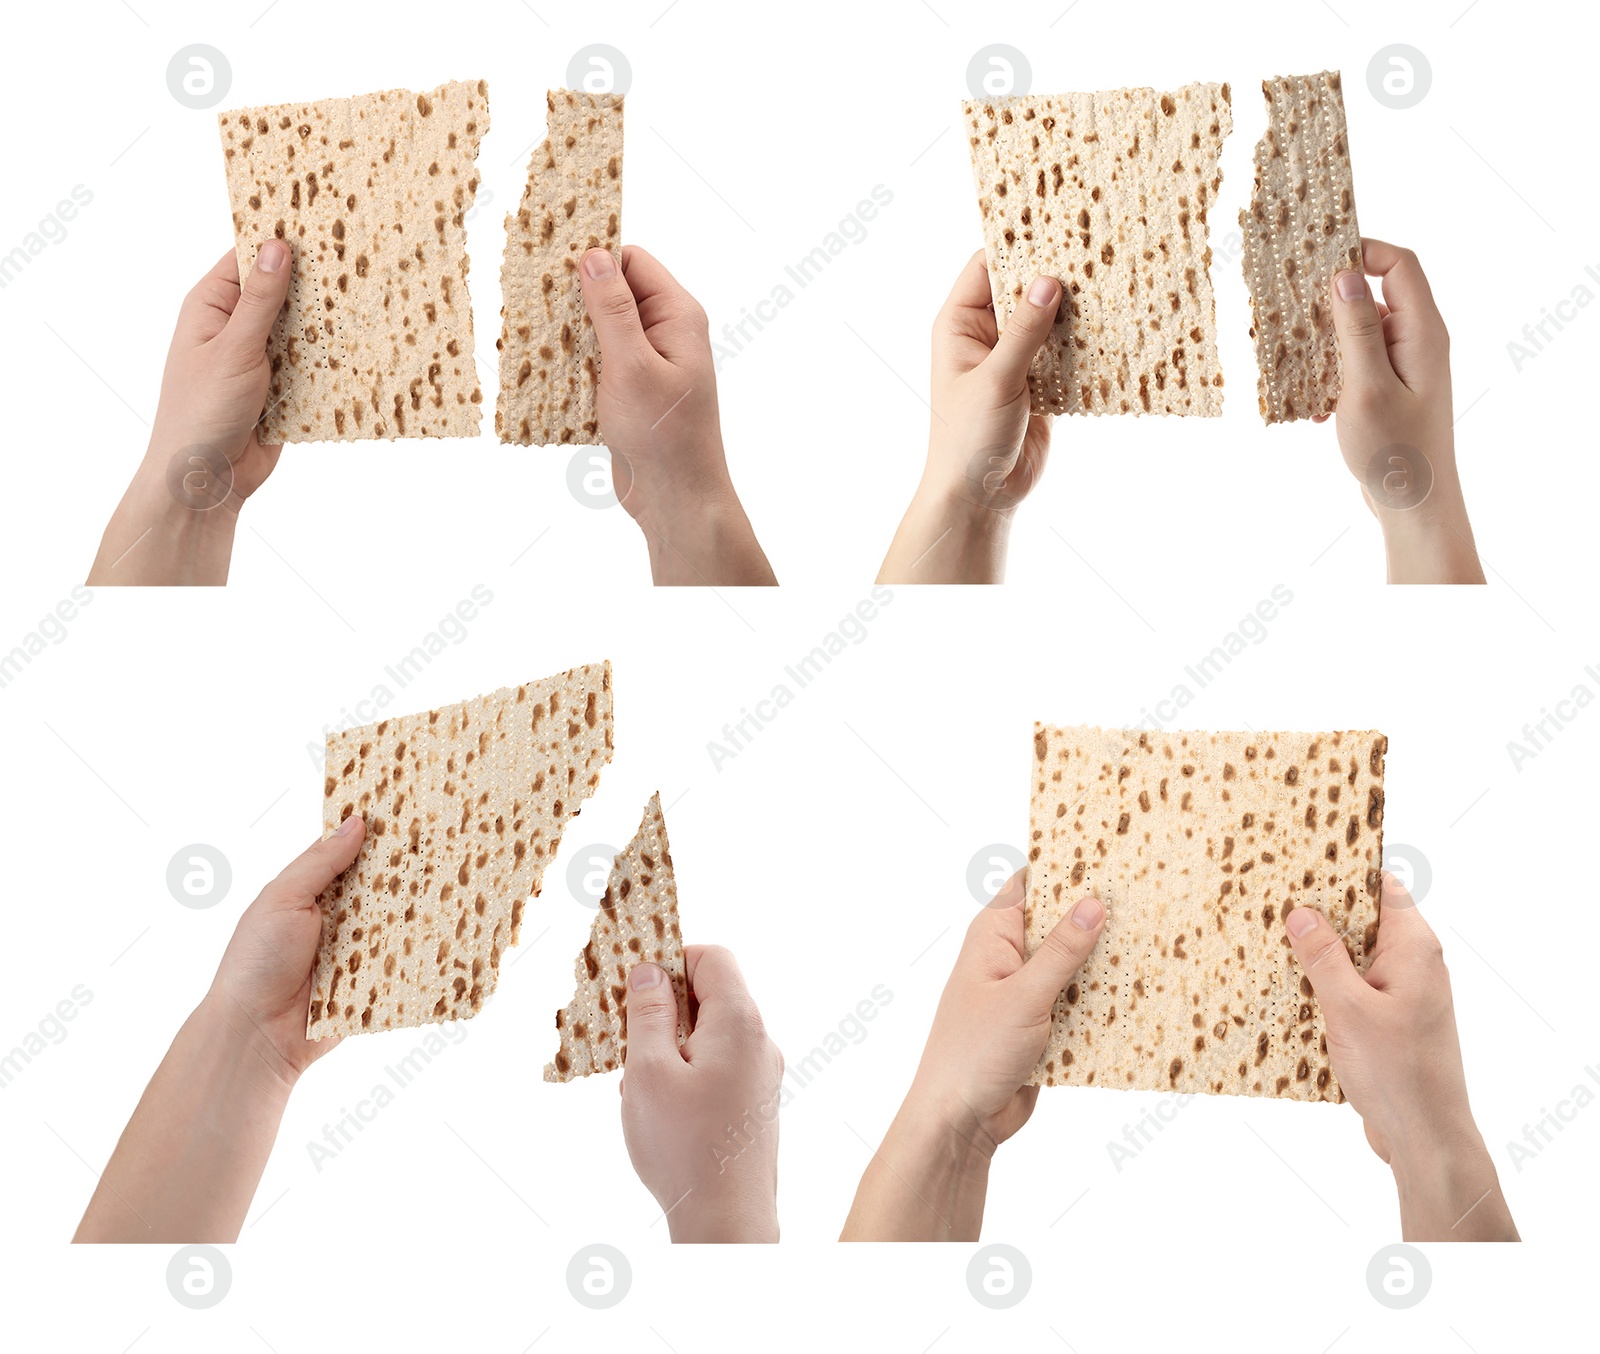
{"x": 637, "y": 923}
{"x": 549, "y": 355}
{"x": 464, "y": 807}
{"x": 1299, "y": 231}
{"x": 1199, "y": 844}
{"x": 1109, "y": 193}
{"x": 370, "y": 194}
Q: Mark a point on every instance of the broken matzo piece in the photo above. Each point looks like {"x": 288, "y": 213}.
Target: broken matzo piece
{"x": 1110, "y": 194}
{"x": 464, "y": 808}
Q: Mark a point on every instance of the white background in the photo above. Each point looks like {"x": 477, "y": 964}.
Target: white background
{"x": 831, "y": 854}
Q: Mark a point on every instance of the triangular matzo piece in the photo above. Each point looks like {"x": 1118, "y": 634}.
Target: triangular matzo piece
{"x": 637, "y": 922}
{"x": 1109, "y": 193}
{"x": 465, "y": 807}
{"x": 1300, "y": 230}
{"x": 1198, "y": 844}
{"x": 370, "y": 194}
{"x": 549, "y": 355}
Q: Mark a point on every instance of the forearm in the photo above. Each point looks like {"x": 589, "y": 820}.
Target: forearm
{"x": 925, "y": 1183}
{"x": 944, "y": 539}
{"x": 1432, "y": 542}
{"x": 153, "y": 539}
{"x": 1451, "y": 1192}
{"x": 702, "y": 538}
{"x": 189, "y": 1161}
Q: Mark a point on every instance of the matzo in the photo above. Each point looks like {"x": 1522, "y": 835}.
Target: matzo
{"x": 1300, "y": 230}
{"x": 549, "y": 354}
{"x": 637, "y": 923}
{"x": 464, "y": 807}
{"x": 1109, "y": 193}
{"x": 370, "y": 194}
{"x": 1198, "y": 844}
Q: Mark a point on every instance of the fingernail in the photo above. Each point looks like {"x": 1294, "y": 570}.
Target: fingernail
{"x": 599, "y": 264}
{"x": 272, "y": 256}
{"x": 1087, "y": 914}
{"x": 1042, "y": 292}
{"x": 1301, "y": 920}
{"x": 350, "y": 824}
{"x": 644, "y": 976}
{"x": 1350, "y": 286}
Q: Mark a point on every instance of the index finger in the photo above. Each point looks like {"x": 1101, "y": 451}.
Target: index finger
{"x": 972, "y": 290}
{"x": 717, "y": 987}
{"x": 1405, "y": 285}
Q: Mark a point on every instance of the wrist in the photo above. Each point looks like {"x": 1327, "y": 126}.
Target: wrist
{"x": 941, "y": 1121}
{"x": 235, "y": 1041}
{"x": 738, "y": 1221}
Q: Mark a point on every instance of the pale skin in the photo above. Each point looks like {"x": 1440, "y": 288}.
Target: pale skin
{"x": 678, "y": 1103}
{"x": 1391, "y": 1040}
{"x": 986, "y": 451}
{"x": 657, "y": 405}
{"x": 188, "y": 1163}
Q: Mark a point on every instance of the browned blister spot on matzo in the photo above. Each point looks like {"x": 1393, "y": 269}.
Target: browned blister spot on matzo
{"x": 464, "y": 807}
{"x": 1299, "y": 230}
{"x": 549, "y": 354}
{"x": 637, "y": 922}
{"x": 1111, "y": 194}
{"x": 1193, "y": 986}
{"x": 370, "y": 194}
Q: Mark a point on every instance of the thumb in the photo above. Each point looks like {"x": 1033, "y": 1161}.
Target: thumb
{"x": 261, "y": 297}
{"x": 612, "y": 309}
{"x": 652, "y": 1017}
{"x": 1324, "y": 960}
{"x": 1070, "y": 942}
{"x": 1030, "y": 323}
{"x": 308, "y": 875}
{"x": 1362, "y": 351}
